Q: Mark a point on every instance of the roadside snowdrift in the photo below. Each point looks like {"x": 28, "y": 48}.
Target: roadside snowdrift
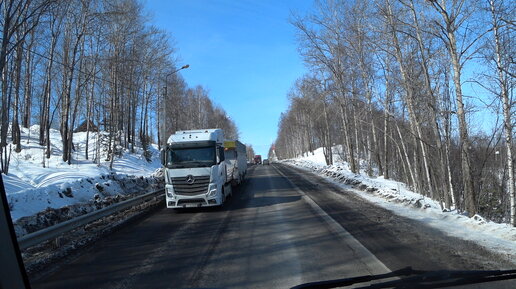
{"x": 40, "y": 196}
{"x": 396, "y": 197}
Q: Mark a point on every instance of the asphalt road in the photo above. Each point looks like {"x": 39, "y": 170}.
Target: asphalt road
{"x": 283, "y": 227}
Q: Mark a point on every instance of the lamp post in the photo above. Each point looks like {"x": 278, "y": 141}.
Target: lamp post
{"x": 173, "y": 72}
{"x": 165, "y": 93}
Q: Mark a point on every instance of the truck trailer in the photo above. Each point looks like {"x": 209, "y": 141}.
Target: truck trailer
{"x": 236, "y": 158}
{"x": 195, "y": 169}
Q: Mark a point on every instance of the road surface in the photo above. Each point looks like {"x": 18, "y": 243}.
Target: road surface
{"x": 283, "y": 227}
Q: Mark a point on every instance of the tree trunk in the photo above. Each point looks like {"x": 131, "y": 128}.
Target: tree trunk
{"x": 504, "y": 93}
{"x": 409, "y": 99}
{"x": 44, "y": 131}
{"x": 449, "y": 28}
{"x": 328, "y": 141}
{"x": 440, "y": 177}
{"x": 27, "y": 110}
{"x": 347, "y": 140}
{"x": 386, "y": 115}
{"x": 15, "y": 126}
{"x": 469, "y": 193}
{"x": 407, "y": 158}
{"x": 89, "y": 108}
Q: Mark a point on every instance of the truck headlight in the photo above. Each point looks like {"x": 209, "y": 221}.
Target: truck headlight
{"x": 212, "y": 190}
{"x": 170, "y": 192}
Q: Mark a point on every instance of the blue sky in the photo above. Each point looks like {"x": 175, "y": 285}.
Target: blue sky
{"x": 244, "y": 52}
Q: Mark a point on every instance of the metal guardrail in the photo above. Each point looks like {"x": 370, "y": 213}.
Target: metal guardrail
{"x": 64, "y": 227}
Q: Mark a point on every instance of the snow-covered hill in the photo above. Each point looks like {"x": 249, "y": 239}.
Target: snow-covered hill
{"x": 398, "y": 198}
{"x": 32, "y": 187}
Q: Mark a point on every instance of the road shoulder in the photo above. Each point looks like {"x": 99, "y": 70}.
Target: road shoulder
{"x": 409, "y": 242}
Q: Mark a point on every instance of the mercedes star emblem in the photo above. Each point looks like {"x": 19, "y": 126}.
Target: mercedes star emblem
{"x": 190, "y": 179}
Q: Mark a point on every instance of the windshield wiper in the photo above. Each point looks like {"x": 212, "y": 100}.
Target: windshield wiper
{"x": 188, "y": 164}
{"x": 175, "y": 166}
{"x": 418, "y": 279}
{"x": 196, "y": 163}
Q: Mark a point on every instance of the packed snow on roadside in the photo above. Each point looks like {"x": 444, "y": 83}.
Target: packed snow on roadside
{"x": 33, "y": 188}
{"x": 396, "y": 197}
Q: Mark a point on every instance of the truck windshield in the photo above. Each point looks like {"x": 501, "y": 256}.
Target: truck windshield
{"x": 191, "y": 157}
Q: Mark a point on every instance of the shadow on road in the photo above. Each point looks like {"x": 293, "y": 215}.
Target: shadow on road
{"x": 253, "y": 193}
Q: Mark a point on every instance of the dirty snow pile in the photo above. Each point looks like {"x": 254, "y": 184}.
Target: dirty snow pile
{"x": 398, "y": 198}
{"x": 33, "y": 188}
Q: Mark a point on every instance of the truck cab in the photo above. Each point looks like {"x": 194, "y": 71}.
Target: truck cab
{"x": 194, "y": 169}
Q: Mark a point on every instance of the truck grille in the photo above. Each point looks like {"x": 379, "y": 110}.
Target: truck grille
{"x": 191, "y": 201}
{"x": 183, "y": 187}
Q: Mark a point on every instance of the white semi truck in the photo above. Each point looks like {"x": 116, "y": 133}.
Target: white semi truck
{"x": 195, "y": 170}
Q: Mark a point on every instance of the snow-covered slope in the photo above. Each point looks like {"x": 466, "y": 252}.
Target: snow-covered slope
{"x": 33, "y": 187}
{"x": 396, "y": 197}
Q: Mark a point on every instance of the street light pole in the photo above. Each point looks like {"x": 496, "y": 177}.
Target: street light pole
{"x": 166, "y": 91}
{"x": 174, "y": 72}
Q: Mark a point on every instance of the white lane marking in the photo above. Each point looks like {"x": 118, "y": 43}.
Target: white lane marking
{"x": 372, "y": 263}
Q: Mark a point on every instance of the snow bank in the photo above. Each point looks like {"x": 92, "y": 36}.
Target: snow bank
{"x": 35, "y": 183}
{"x": 396, "y": 197}
{"x": 57, "y": 203}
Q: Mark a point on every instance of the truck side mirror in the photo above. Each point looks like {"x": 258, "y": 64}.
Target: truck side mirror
{"x": 221, "y": 154}
{"x": 163, "y": 157}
